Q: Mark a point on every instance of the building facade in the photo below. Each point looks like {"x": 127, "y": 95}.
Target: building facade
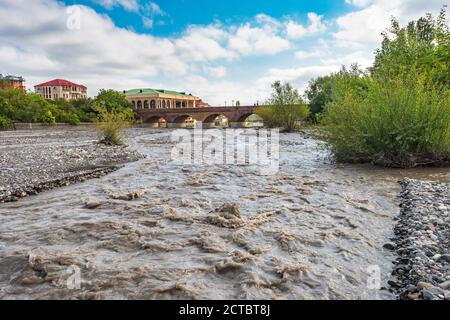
{"x": 14, "y": 82}
{"x": 61, "y": 89}
{"x": 162, "y": 99}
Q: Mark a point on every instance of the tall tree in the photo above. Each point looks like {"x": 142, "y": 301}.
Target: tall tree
{"x": 423, "y": 47}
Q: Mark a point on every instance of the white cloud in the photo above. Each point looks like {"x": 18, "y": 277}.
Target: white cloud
{"x": 202, "y": 44}
{"x": 297, "y": 31}
{"x": 36, "y": 43}
{"x": 359, "y": 3}
{"x": 253, "y": 40}
{"x": 363, "y": 27}
{"x": 35, "y": 33}
{"x": 216, "y": 72}
{"x": 363, "y": 58}
{"x": 130, "y": 5}
{"x": 147, "y": 22}
{"x": 155, "y": 9}
{"x": 207, "y": 60}
{"x": 299, "y": 77}
{"x": 149, "y": 12}
{"x": 301, "y": 55}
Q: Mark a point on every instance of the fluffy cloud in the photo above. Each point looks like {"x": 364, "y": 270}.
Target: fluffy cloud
{"x": 363, "y": 27}
{"x": 297, "y": 31}
{"x": 248, "y": 40}
{"x": 298, "y": 77}
{"x": 36, "y": 42}
{"x": 202, "y": 44}
{"x": 37, "y": 33}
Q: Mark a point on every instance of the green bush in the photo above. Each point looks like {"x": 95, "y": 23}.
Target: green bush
{"x": 73, "y": 120}
{"x": 287, "y": 117}
{"x": 5, "y": 123}
{"x": 110, "y": 124}
{"x": 48, "y": 118}
{"x": 399, "y": 123}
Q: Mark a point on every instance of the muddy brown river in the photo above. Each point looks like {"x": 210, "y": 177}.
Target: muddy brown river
{"x": 158, "y": 230}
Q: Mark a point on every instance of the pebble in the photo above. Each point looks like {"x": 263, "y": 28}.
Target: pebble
{"x": 422, "y": 268}
{"x": 389, "y": 246}
{"x": 69, "y": 156}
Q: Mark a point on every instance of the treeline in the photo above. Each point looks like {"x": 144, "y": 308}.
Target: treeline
{"x": 396, "y": 113}
{"x": 18, "y": 106}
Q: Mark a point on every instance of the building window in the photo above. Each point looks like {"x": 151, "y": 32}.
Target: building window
{"x": 146, "y": 104}
{"x": 139, "y": 105}
{"x": 153, "y": 104}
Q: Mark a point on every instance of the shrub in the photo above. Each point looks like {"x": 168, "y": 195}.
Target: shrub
{"x": 110, "y": 125}
{"x": 400, "y": 123}
{"x": 287, "y": 117}
{"x": 5, "y": 123}
{"x": 73, "y": 120}
{"x": 48, "y": 118}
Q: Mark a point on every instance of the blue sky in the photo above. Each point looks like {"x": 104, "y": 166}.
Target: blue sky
{"x": 218, "y": 50}
{"x": 178, "y": 14}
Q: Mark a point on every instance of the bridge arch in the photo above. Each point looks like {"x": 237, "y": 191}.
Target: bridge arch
{"x": 182, "y": 121}
{"x": 243, "y": 120}
{"x": 156, "y": 122}
{"x": 215, "y": 120}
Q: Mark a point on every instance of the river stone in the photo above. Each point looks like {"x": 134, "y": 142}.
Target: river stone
{"x": 444, "y": 258}
{"x": 389, "y": 246}
{"x": 428, "y": 295}
{"x": 445, "y": 285}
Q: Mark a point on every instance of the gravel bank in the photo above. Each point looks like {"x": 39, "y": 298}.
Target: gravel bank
{"x": 32, "y": 162}
{"x": 422, "y": 242}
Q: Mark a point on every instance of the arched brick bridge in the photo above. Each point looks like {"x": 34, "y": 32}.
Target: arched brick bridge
{"x": 176, "y": 118}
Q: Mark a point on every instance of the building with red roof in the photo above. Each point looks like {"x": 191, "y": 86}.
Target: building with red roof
{"x": 61, "y": 89}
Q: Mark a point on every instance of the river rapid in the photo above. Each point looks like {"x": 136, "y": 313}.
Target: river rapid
{"x": 158, "y": 230}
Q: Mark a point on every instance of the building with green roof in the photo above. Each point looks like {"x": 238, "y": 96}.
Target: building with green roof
{"x": 162, "y": 99}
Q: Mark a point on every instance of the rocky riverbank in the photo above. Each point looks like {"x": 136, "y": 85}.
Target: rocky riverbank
{"x": 32, "y": 162}
{"x": 422, "y": 242}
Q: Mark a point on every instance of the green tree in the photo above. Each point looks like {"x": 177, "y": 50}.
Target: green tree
{"x": 423, "y": 46}
{"x": 321, "y": 90}
{"x": 285, "y": 108}
{"x": 112, "y": 100}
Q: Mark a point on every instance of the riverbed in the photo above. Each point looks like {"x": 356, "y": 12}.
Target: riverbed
{"x": 155, "y": 229}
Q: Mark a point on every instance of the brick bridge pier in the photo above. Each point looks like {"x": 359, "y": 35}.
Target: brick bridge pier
{"x": 176, "y": 118}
